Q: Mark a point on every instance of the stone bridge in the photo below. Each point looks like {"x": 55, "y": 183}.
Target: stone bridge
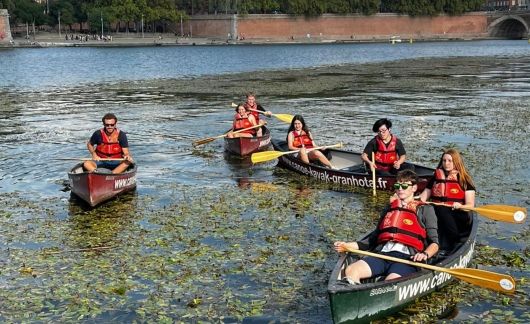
{"x": 509, "y": 24}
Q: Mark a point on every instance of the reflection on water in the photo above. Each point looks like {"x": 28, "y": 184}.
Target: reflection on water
{"x": 178, "y": 215}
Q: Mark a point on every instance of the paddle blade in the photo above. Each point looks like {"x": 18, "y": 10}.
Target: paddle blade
{"x": 514, "y": 216}
{"x": 265, "y": 156}
{"x": 284, "y": 117}
{"x": 204, "y": 141}
{"x": 486, "y": 279}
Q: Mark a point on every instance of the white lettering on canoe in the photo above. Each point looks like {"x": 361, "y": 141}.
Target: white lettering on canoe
{"x": 265, "y": 142}
{"x": 383, "y": 290}
{"x": 126, "y": 182}
{"x": 419, "y": 287}
{"x": 323, "y": 175}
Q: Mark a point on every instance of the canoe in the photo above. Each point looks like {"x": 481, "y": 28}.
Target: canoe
{"x": 350, "y": 169}
{"x": 97, "y": 187}
{"x": 243, "y": 146}
{"x": 375, "y": 298}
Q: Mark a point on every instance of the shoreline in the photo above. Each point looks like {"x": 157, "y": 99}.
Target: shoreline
{"x": 50, "y": 40}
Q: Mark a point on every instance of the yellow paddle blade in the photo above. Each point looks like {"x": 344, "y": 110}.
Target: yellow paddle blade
{"x": 265, "y": 156}
{"x": 284, "y": 117}
{"x": 500, "y": 215}
{"x": 486, "y": 279}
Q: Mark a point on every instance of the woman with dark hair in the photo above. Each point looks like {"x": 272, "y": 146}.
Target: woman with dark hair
{"x": 299, "y": 138}
{"x": 242, "y": 120}
{"x": 389, "y": 151}
{"x": 451, "y": 185}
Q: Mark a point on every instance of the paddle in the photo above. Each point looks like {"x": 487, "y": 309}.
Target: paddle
{"x": 210, "y": 139}
{"x": 271, "y": 155}
{"x": 373, "y": 174}
{"x": 283, "y": 117}
{"x": 482, "y": 278}
{"x": 87, "y": 159}
{"x": 503, "y": 213}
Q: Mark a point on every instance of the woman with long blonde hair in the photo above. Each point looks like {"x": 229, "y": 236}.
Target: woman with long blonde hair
{"x": 452, "y": 186}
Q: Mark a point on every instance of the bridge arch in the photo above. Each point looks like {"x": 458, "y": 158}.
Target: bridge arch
{"x": 512, "y": 27}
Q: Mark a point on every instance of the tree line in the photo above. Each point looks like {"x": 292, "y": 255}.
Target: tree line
{"x": 97, "y": 12}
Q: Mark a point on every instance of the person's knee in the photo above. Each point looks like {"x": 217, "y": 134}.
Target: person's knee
{"x": 392, "y": 276}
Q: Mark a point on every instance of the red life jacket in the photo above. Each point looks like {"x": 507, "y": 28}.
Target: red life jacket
{"x": 402, "y": 225}
{"x": 243, "y": 122}
{"x": 110, "y": 147}
{"x": 302, "y": 138}
{"x": 447, "y": 189}
{"x": 254, "y": 113}
{"x": 386, "y": 155}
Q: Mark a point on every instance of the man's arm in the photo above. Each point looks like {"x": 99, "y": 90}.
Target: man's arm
{"x": 400, "y": 150}
{"x": 92, "y": 150}
{"x": 367, "y": 153}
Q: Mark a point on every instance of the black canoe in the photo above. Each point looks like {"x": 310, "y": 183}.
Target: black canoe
{"x": 375, "y": 298}
{"x": 350, "y": 169}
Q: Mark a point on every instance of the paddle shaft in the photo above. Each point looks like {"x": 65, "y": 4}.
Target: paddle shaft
{"x": 496, "y": 212}
{"x": 242, "y": 130}
{"x": 283, "y": 117}
{"x": 373, "y": 174}
{"x": 271, "y": 155}
{"x": 211, "y": 139}
{"x": 486, "y": 279}
{"x": 87, "y": 159}
{"x": 312, "y": 149}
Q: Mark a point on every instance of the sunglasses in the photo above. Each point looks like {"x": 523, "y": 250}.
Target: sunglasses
{"x": 109, "y": 125}
{"x": 404, "y": 186}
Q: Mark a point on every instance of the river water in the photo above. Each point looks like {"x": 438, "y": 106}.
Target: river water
{"x": 209, "y": 237}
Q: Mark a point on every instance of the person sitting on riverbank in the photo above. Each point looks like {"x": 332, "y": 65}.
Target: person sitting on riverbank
{"x": 242, "y": 120}
{"x": 299, "y": 138}
{"x": 407, "y": 229}
{"x": 253, "y": 107}
{"x": 108, "y": 143}
{"x": 451, "y": 185}
{"x": 389, "y": 151}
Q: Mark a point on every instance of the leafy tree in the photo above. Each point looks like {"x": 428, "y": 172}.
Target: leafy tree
{"x": 66, "y": 10}
{"x": 27, "y": 11}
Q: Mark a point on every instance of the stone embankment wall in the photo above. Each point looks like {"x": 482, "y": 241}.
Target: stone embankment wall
{"x": 5, "y": 31}
{"x": 348, "y": 27}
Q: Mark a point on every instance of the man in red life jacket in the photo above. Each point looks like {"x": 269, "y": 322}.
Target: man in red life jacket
{"x": 407, "y": 229}
{"x": 389, "y": 151}
{"x": 109, "y": 143}
{"x": 254, "y": 108}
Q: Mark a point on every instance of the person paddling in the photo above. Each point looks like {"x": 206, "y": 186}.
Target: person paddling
{"x": 300, "y": 138}
{"x": 242, "y": 120}
{"x": 253, "y": 107}
{"x": 451, "y": 185}
{"x": 407, "y": 229}
{"x": 388, "y": 149}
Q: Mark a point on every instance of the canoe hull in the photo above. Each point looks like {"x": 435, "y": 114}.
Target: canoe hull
{"x": 369, "y": 301}
{"x": 244, "y": 146}
{"x": 349, "y": 173}
{"x": 95, "y": 188}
